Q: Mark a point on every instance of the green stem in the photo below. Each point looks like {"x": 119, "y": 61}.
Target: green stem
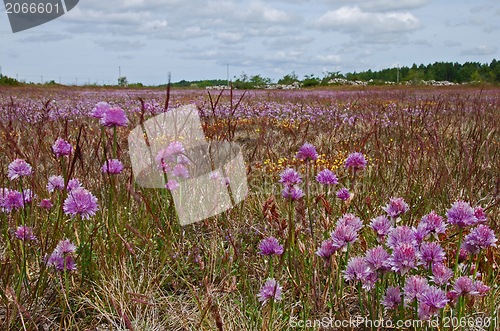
{"x": 458, "y": 250}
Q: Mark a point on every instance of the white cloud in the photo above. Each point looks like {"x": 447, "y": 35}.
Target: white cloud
{"x": 329, "y": 59}
{"x": 355, "y": 20}
{"x": 119, "y": 45}
{"x": 229, "y": 37}
{"x": 382, "y": 5}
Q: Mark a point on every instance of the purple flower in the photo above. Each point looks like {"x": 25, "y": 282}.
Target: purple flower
{"x": 424, "y": 311}
{"x": 180, "y": 171}
{"x": 28, "y": 196}
{"x": 463, "y": 286}
{"x": 434, "y": 298}
{"x": 343, "y": 194}
{"x": 45, "y": 204}
{"x": 61, "y": 258}
{"x": 290, "y": 177}
{"x": 357, "y": 270}
{"x": 327, "y": 249}
{"x": 350, "y": 220}
{"x": 441, "y": 274}
{"x": 55, "y": 183}
{"x": 420, "y": 233}
{"x": 114, "y": 117}
{"x": 24, "y": 233}
{"x": 270, "y": 291}
{"x": 461, "y": 214}
{"x": 377, "y": 258}
{"x": 404, "y": 258}
{"x": 172, "y": 185}
{"x": 480, "y": 215}
{"x": 381, "y": 225}
{"x": 100, "y": 109}
{"x": 327, "y": 177}
{"x": 61, "y": 263}
{"x": 293, "y": 193}
{"x": 112, "y": 167}
{"x": 61, "y": 148}
{"x": 396, "y": 207}
{"x": 355, "y": 161}
{"x": 344, "y": 234}
{"x": 401, "y": 235}
{"x": 480, "y": 288}
{"x": 392, "y": 297}
{"x": 10, "y": 200}
{"x": 167, "y": 158}
{"x": 432, "y": 253}
{"x": 479, "y": 238}
{"x": 80, "y": 202}
{"x": 433, "y": 223}
{"x": 307, "y": 152}
{"x": 270, "y": 246}
{"x": 73, "y": 183}
{"x": 415, "y": 286}
{"x": 19, "y": 168}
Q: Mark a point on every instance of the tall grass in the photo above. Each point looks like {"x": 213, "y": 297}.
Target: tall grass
{"x": 137, "y": 269}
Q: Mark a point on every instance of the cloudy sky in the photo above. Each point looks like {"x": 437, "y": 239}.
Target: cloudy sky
{"x": 198, "y": 39}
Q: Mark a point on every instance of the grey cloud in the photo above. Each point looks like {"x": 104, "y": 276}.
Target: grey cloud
{"x": 120, "y": 45}
{"x": 44, "y": 38}
{"x": 480, "y": 50}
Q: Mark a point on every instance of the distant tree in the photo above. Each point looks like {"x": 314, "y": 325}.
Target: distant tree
{"x": 310, "y": 81}
{"x": 289, "y": 79}
{"x": 122, "y": 81}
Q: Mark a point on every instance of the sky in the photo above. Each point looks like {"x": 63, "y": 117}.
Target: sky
{"x": 145, "y": 40}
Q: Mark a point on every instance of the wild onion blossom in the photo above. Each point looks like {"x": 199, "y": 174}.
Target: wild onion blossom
{"x": 396, "y": 207}
{"x": 328, "y": 248}
{"x": 358, "y": 270}
{"x": 441, "y": 274}
{"x": 290, "y": 177}
{"x": 480, "y": 288}
{"x": 24, "y": 233}
{"x": 55, "y": 183}
{"x": 401, "y": 235}
{"x": 350, "y": 220}
{"x": 112, "y": 167}
{"x": 61, "y": 258}
{"x": 433, "y": 223}
{"x": 114, "y": 117}
{"x": 327, "y": 177}
{"x": 481, "y": 237}
{"x": 172, "y": 185}
{"x": 292, "y": 193}
{"x": 19, "y": 168}
{"x": 271, "y": 290}
{"x": 377, "y": 258}
{"x": 464, "y": 285}
{"x": 45, "y": 204}
{"x": 414, "y": 287}
{"x": 10, "y": 200}
{"x": 100, "y": 109}
{"x": 480, "y": 215}
{"x": 355, "y": 161}
{"x": 73, "y": 183}
{"x": 307, "y": 152}
{"x": 343, "y": 235}
{"x": 435, "y": 299}
{"x": 270, "y": 246}
{"x": 461, "y": 214}
{"x": 432, "y": 253}
{"x": 343, "y": 194}
{"x": 61, "y": 148}
{"x": 381, "y": 225}
{"x": 80, "y": 202}
{"x": 404, "y": 258}
{"x": 392, "y": 298}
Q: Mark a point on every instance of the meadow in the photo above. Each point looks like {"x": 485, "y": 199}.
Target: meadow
{"x": 364, "y": 204}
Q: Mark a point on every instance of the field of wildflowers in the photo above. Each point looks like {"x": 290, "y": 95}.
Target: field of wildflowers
{"x": 376, "y": 204}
